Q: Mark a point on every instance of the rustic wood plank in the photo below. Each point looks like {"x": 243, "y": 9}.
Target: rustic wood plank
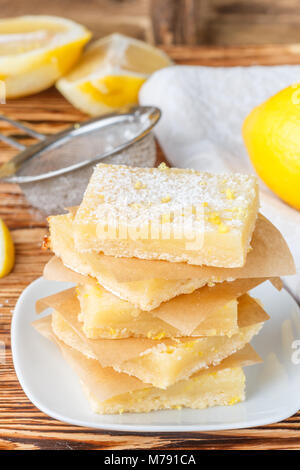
{"x": 179, "y": 21}
{"x": 225, "y": 22}
{"x": 22, "y": 426}
{"x": 255, "y": 7}
{"x": 240, "y": 31}
{"x": 169, "y": 22}
{"x": 235, "y": 55}
{"x": 101, "y": 17}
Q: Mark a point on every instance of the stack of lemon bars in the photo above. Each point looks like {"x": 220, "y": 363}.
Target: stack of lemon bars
{"x": 163, "y": 260}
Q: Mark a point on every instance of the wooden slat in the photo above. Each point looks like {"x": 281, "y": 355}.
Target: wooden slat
{"x": 22, "y": 426}
{"x": 169, "y": 22}
{"x": 225, "y": 22}
{"x": 101, "y": 17}
{"x": 238, "y": 55}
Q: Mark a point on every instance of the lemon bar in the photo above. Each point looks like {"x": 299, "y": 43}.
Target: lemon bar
{"x": 110, "y": 392}
{"x": 146, "y": 294}
{"x": 269, "y": 257}
{"x": 168, "y": 214}
{"x": 207, "y": 311}
{"x": 106, "y": 316}
{"x": 209, "y": 388}
{"x": 159, "y": 362}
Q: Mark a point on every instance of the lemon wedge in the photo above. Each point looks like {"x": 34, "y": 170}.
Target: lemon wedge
{"x": 36, "y": 50}
{"x": 7, "y": 250}
{"x": 110, "y": 74}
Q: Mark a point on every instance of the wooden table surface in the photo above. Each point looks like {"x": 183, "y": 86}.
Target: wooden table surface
{"x": 22, "y": 426}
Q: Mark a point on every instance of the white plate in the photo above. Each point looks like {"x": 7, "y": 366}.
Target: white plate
{"x": 273, "y": 388}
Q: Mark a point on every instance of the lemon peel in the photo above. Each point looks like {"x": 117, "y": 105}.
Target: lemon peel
{"x": 110, "y": 74}
{"x": 7, "y": 250}
{"x": 37, "y": 50}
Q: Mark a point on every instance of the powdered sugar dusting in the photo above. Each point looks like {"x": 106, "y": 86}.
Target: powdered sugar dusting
{"x": 142, "y": 194}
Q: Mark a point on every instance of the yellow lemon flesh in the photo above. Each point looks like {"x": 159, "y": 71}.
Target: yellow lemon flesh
{"x": 110, "y": 74}
{"x": 7, "y": 251}
{"x": 37, "y": 50}
{"x": 272, "y": 136}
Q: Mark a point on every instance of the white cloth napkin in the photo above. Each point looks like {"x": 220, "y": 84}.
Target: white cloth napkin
{"x": 203, "y": 109}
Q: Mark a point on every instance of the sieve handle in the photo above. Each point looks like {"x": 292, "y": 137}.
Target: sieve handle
{"x": 10, "y": 167}
{"x": 24, "y": 128}
{"x": 12, "y": 142}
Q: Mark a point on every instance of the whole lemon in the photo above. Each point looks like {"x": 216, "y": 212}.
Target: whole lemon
{"x": 272, "y": 136}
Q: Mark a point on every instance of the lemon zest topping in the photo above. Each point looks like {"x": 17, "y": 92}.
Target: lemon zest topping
{"x": 223, "y": 228}
{"x": 214, "y": 218}
{"x": 135, "y": 205}
{"x": 169, "y": 350}
{"x": 234, "y": 400}
{"x": 162, "y": 166}
{"x": 166, "y": 218}
{"x": 189, "y": 344}
{"x": 138, "y": 185}
{"x": 160, "y": 335}
{"x": 229, "y": 194}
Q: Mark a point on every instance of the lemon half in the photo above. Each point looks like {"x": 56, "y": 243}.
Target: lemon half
{"x": 272, "y": 136}
{"x": 7, "y": 250}
{"x": 110, "y": 74}
{"x": 36, "y": 50}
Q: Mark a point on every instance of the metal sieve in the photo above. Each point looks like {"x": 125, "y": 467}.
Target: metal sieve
{"x": 78, "y": 146}
{"x": 54, "y": 172}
